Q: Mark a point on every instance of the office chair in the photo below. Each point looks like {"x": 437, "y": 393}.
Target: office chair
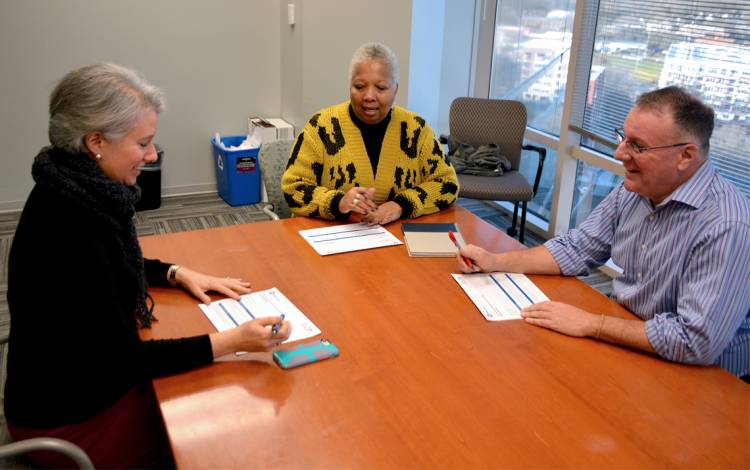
{"x": 10, "y": 452}
{"x": 273, "y": 158}
{"x": 481, "y": 121}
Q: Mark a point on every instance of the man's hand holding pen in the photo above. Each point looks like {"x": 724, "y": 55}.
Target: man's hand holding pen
{"x": 480, "y": 259}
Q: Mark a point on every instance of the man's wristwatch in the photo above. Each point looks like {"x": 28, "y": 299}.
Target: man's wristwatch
{"x": 172, "y": 274}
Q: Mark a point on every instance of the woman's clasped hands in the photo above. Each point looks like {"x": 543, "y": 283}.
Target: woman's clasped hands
{"x": 359, "y": 200}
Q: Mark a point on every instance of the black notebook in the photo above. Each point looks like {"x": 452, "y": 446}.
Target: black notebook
{"x": 430, "y": 240}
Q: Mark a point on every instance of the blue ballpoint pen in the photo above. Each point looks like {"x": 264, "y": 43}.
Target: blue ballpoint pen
{"x": 276, "y": 326}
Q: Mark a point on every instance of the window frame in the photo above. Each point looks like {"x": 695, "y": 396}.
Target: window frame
{"x": 567, "y": 145}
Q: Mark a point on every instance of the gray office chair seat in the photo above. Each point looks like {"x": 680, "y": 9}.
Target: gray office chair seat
{"x": 515, "y": 187}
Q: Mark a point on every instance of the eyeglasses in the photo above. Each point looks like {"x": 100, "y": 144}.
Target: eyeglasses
{"x": 637, "y": 149}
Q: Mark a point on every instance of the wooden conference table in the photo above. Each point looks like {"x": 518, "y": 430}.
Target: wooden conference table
{"x": 423, "y": 381}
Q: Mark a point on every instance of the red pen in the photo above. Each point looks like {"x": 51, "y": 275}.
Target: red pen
{"x": 458, "y": 245}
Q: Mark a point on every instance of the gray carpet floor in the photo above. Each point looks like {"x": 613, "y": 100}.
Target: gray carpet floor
{"x": 199, "y": 211}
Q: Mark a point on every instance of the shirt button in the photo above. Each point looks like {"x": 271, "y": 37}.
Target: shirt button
{"x": 639, "y": 275}
{"x": 643, "y": 246}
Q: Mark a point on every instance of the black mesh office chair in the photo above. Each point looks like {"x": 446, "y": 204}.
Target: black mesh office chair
{"x": 481, "y": 121}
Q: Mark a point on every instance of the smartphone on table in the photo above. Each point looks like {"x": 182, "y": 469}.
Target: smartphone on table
{"x": 307, "y": 353}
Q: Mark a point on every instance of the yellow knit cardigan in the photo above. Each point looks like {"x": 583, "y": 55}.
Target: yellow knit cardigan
{"x": 329, "y": 157}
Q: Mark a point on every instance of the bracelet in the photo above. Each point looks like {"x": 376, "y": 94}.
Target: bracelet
{"x": 599, "y": 330}
{"x": 172, "y": 274}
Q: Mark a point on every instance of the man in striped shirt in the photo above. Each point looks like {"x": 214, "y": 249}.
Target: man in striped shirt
{"x": 680, "y": 233}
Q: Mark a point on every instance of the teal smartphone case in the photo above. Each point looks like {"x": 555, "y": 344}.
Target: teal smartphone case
{"x": 305, "y": 354}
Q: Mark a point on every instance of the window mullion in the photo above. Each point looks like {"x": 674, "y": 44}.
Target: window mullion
{"x": 577, "y": 79}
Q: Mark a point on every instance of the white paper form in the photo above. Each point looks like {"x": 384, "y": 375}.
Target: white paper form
{"x": 500, "y": 296}
{"x": 349, "y": 237}
{"x": 227, "y": 313}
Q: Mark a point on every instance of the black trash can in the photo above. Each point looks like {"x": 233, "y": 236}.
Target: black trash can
{"x": 150, "y": 183}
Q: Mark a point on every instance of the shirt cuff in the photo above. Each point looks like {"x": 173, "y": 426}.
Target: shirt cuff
{"x": 156, "y": 272}
{"x": 655, "y": 336}
{"x": 335, "y": 207}
{"x": 570, "y": 264}
{"x": 407, "y": 208}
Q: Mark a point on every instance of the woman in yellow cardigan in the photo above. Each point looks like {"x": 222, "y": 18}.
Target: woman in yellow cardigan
{"x": 366, "y": 156}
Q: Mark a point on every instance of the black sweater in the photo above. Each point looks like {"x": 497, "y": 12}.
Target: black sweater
{"x": 74, "y": 346}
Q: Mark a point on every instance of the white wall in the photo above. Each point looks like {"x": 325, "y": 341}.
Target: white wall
{"x": 318, "y": 48}
{"x": 217, "y": 61}
{"x": 456, "y": 66}
{"x": 428, "y": 22}
{"x": 441, "y": 43}
{"x": 291, "y": 41}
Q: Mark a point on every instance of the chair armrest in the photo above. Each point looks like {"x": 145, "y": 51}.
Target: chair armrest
{"x": 542, "y": 155}
{"x": 48, "y": 444}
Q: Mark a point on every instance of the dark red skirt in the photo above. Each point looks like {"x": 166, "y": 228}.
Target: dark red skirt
{"x": 128, "y": 434}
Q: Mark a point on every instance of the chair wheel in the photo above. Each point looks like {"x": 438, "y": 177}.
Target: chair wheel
{"x": 511, "y": 231}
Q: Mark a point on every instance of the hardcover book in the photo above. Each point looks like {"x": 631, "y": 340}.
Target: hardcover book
{"x": 430, "y": 240}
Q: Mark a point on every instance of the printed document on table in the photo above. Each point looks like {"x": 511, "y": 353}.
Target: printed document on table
{"x": 500, "y": 296}
{"x": 228, "y": 313}
{"x": 349, "y": 237}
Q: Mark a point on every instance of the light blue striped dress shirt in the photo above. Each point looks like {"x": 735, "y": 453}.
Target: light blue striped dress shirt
{"x": 686, "y": 266}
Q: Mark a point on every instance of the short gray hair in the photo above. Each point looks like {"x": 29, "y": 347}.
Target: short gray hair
{"x": 375, "y": 51}
{"x": 106, "y": 98}
{"x": 689, "y": 113}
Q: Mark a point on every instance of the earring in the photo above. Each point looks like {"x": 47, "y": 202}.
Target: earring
{"x": 98, "y": 156}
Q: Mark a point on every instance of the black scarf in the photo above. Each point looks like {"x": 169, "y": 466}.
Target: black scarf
{"x": 78, "y": 177}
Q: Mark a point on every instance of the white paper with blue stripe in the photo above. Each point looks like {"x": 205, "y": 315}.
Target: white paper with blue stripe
{"x": 348, "y": 237}
{"x": 227, "y": 313}
{"x": 500, "y": 296}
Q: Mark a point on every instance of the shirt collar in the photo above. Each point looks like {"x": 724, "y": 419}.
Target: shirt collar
{"x": 692, "y": 192}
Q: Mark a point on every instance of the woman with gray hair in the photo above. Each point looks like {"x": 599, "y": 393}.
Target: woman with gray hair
{"x": 366, "y": 159}
{"x": 77, "y": 369}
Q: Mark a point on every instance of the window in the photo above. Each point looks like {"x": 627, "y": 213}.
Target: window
{"x": 641, "y": 45}
{"x": 529, "y": 63}
{"x": 622, "y": 48}
{"x": 592, "y": 186}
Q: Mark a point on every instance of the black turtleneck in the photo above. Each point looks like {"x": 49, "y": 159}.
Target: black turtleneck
{"x": 373, "y": 135}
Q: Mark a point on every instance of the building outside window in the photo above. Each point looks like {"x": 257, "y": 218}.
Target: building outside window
{"x": 690, "y": 43}
{"x": 628, "y": 47}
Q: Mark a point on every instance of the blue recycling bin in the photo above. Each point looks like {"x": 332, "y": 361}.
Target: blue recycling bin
{"x": 237, "y": 171}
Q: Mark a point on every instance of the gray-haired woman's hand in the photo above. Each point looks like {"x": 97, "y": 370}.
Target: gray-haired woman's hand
{"x": 253, "y": 336}
{"x": 198, "y": 284}
{"x": 359, "y": 200}
{"x": 385, "y": 213}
